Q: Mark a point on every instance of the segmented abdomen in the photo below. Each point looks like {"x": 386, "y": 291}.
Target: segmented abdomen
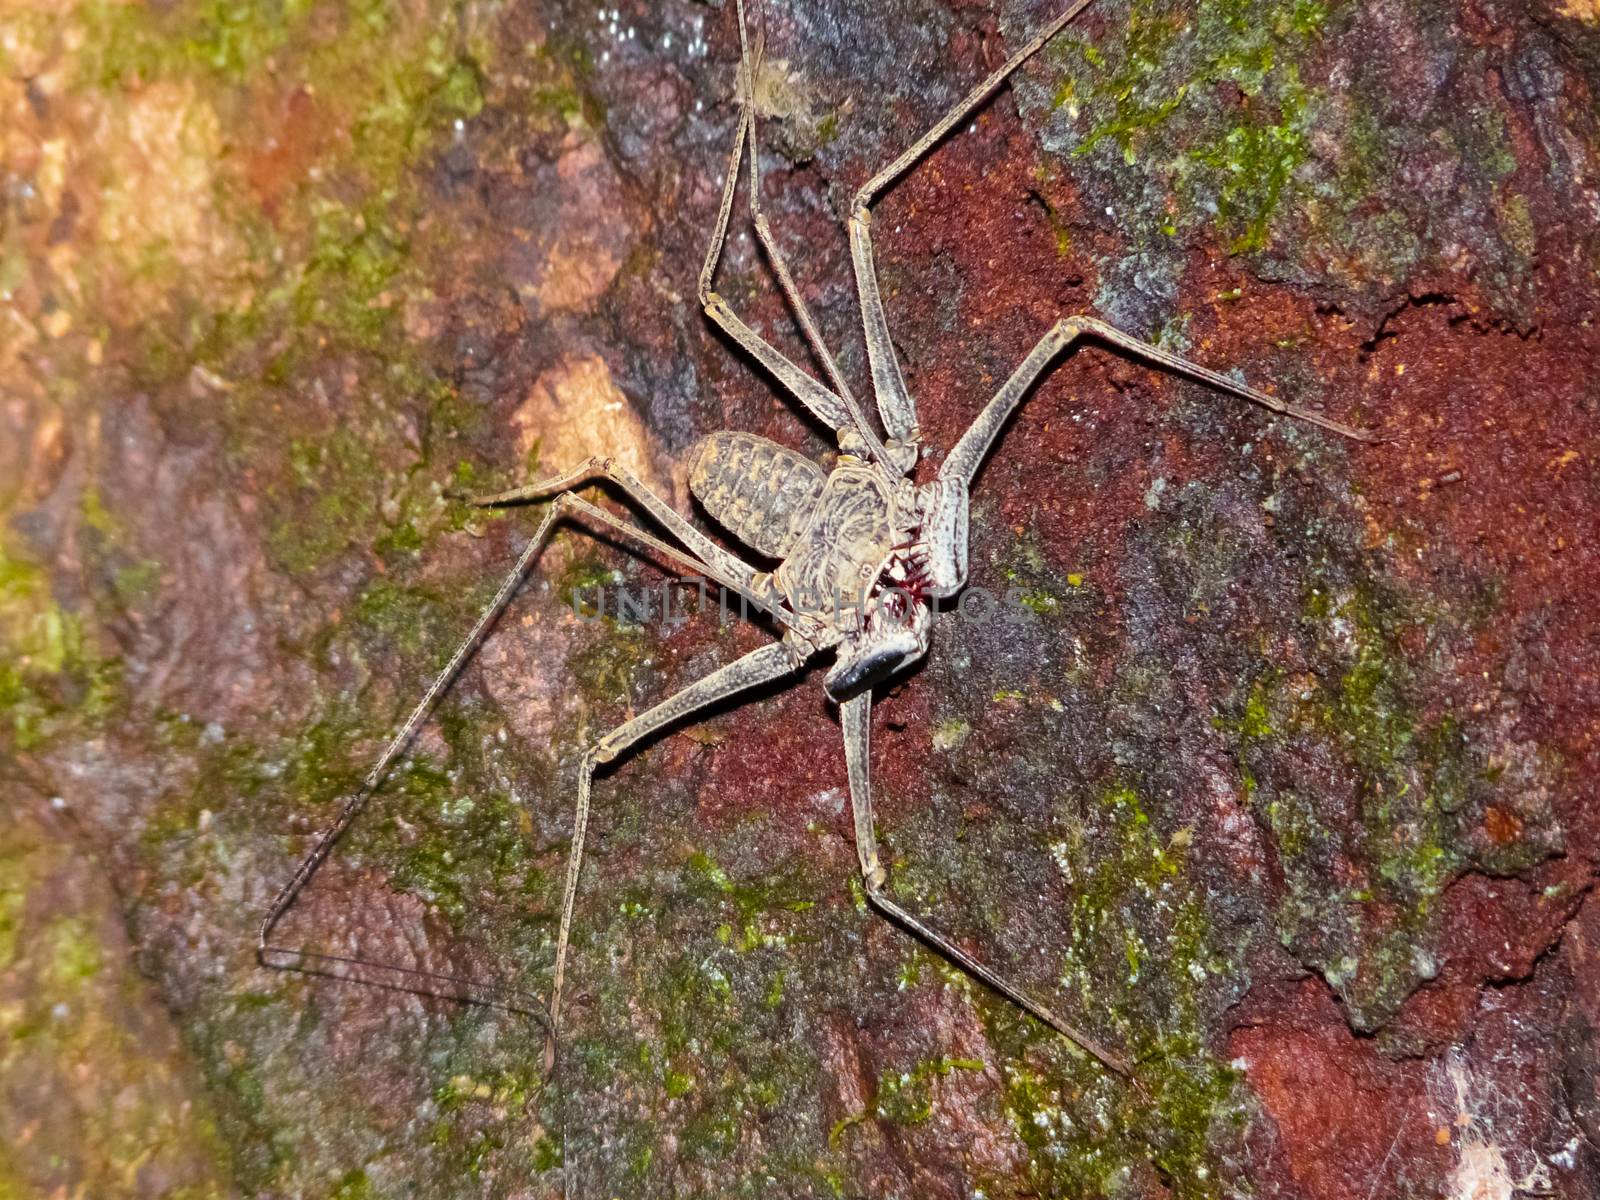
{"x": 757, "y": 490}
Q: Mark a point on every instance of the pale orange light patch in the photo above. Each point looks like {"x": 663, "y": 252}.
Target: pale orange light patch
{"x": 1582, "y": 10}
{"x": 575, "y": 410}
{"x": 154, "y": 156}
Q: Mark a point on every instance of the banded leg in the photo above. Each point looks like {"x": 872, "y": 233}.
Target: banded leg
{"x": 969, "y": 452}
{"x": 895, "y": 405}
{"x": 758, "y": 667}
{"x": 838, "y": 410}
{"x": 855, "y": 715}
{"x": 466, "y": 990}
{"x": 727, "y": 569}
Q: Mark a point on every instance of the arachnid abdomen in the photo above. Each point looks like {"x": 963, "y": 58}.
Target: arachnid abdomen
{"x": 757, "y": 490}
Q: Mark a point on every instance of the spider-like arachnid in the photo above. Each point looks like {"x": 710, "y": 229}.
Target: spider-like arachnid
{"x": 864, "y": 552}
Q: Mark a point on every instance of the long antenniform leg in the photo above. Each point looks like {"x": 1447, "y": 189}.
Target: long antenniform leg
{"x": 856, "y": 715}
{"x": 727, "y": 570}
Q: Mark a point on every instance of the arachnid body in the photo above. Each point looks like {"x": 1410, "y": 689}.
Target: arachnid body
{"x": 864, "y": 551}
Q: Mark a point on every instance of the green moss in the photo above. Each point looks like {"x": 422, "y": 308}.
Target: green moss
{"x": 1516, "y": 223}
{"x": 95, "y": 514}
{"x": 1146, "y": 42}
{"x": 547, "y": 1153}
{"x": 906, "y": 1097}
{"x": 1219, "y": 104}
{"x": 13, "y": 900}
{"x": 1157, "y": 90}
{"x": 330, "y": 271}
{"x": 609, "y": 666}
{"x": 562, "y": 100}
{"x": 330, "y": 500}
{"x": 1408, "y": 778}
{"x": 1039, "y": 602}
{"x": 584, "y": 575}
{"x": 1141, "y": 952}
{"x": 1255, "y": 723}
{"x": 52, "y": 677}
{"x": 357, "y": 255}
{"x": 466, "y": 853}
{"x": 677, "y": 1083}
{"x": 1256, "y": 164}
{"x": 950, "y": 733}
{"x": 405, "y": 618}
{"x": 696, "y": 1015}
{"x": 72, "y": 951}
{"x": 354, "y": 1185}
{"x": 136, "y": 584}
{"x": 231, "y": 39}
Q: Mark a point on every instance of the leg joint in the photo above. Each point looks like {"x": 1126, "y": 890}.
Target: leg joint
{"x": 799, "y": 647}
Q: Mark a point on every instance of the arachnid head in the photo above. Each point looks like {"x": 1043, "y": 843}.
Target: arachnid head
{"x": 893, "y": 632}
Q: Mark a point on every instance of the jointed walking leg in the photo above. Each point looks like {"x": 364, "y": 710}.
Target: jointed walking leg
{"x": 824, "y": 405}
{"x": 727, "y": 569}
{"x": 964, "y": 459}
{"x": 838, "y": 410}
{"x": 339, "y": 966}
{"x": 474, "y": 991}
{"x": 895, "y": 405}
{"x": 855, "y": 715}
{"x": 756, "y": 668}
{"x": 769, "y": 242}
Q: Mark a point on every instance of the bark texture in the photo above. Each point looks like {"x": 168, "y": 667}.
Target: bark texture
{"x": 1287, "y": 789}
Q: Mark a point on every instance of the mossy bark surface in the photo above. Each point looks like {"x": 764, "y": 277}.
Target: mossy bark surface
{"x": 1284, "y": 787}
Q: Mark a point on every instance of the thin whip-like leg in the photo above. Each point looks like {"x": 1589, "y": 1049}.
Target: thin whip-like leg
{"x": 969, "y": 452}
{"x": 824, "y": 405}
{"x": 855, "y": 714}
{"x": 838, "y": 411}
{"x": 895, "y": 405}
{"x": 758, "y": 667}
{"x": 468, "y": 990}
{"x": 475, "y": 991}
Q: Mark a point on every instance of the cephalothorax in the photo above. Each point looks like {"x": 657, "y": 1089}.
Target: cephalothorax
{"x": 864, "y": 550}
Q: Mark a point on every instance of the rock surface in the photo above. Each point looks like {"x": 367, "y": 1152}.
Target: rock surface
{"x": 1286, "y": 787}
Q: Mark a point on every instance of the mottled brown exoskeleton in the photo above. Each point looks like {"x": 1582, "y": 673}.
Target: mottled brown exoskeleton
{"x": 865, "y": 551}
